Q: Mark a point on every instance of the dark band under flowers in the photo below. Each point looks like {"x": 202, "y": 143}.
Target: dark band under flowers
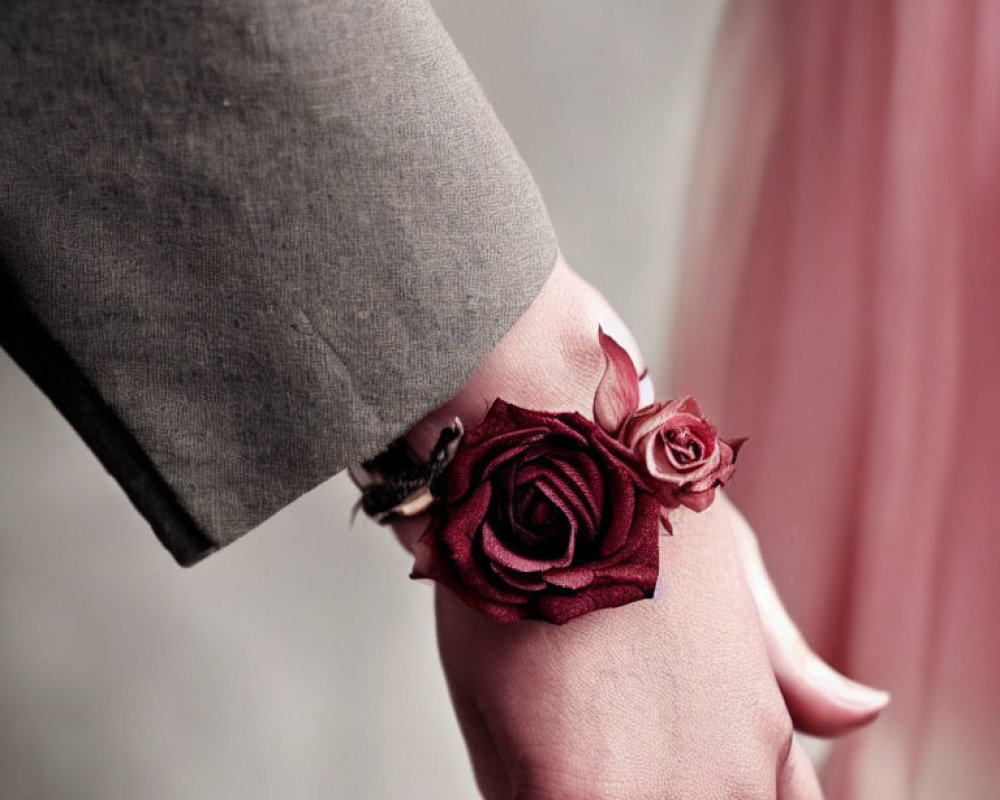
{"x": 542, "y": 515}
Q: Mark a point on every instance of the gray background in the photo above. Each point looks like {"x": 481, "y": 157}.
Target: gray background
{"x": 300, "y": 662}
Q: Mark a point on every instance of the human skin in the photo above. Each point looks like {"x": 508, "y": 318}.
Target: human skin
{"x": 693, "y": 694}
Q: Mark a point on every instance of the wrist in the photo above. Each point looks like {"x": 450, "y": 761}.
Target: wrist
{"x": 548, "y": 476}
{"x": 549, "y": 360}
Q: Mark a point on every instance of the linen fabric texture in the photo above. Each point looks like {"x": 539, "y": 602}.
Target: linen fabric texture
{"x": 245, "y": 243}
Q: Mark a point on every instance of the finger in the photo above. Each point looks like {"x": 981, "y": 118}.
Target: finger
{"x": 820, "y": 700}
{"x": 797, "y": 779}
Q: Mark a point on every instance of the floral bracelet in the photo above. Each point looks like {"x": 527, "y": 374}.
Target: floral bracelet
{"x": 541, "y": 515}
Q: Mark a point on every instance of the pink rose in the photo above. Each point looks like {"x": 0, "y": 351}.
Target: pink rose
{"x": 676, "y": 448}
{"x": 680, "y": 451}
{"x": 541, "y": 518}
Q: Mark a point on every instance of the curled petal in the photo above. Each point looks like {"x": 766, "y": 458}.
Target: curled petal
{"x": 561, "y": 608}
{"x": 649, "y": 419}
{"x": 499, "y": 553}
{"x": 525, "y": 581}
{"x": 617, "y": 396}
{"x": 686, "y": 463}
{"x": 574, "y": 578}
{"x": 736, "y": 445}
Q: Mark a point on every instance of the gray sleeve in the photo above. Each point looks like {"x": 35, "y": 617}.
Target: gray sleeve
{"x": 244, "y": 243}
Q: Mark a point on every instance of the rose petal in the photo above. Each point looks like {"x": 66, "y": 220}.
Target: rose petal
{"x": 665, "y": 527}
{"x": 471, "y": 467}
{"x": 690, "y": 406}
{"x": 617, "y": 395}
{"x": 559, "y": 608}
{"x": 433, "y": 561}
{"x": 667, "y": 493}
{"x": 587, "y": 482}
{"x": 662, "y": 465}
{"x": 505, "y": 433}
{"x": 526, "y": 582}
{"x": 521, "y": 497}
{"x": 464, "y": 519}
{"x": 642, "y": 544}
{"x": 459, "y": 535}
{"x": 473, "y": 580}
{"x": 622, "y": 490}
{"x": 658, "y": 464}
{"x": 498, "y": 553}
{"x": 560, "y": 481}
{"x": 649, "y": 419}
{"x": 576, "y": 508}
{"x": 499, "y": 612}
{"x": 574, "y": 578}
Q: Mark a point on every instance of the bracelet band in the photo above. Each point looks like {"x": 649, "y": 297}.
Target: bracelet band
{"x": 394, "y": 484}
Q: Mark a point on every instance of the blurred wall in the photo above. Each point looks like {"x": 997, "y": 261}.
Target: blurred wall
{"x": 300, "y": 663}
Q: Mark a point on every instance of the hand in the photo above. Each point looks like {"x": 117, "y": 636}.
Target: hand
{"x": 673, "y": 697}
{"x": 820, "y": 700}
{"x": 669, "y": 698}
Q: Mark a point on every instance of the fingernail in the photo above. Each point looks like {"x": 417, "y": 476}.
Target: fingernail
{"x": 845, "y": 690}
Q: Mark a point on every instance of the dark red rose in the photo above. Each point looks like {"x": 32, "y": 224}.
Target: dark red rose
{"x": 541, "y": 518}
{"x": 680, "y": 452}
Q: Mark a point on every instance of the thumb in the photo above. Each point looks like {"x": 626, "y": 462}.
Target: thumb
{"x": 821, "y": 701}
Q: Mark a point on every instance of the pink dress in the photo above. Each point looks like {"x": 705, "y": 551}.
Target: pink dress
{"x": 842, "y": 308}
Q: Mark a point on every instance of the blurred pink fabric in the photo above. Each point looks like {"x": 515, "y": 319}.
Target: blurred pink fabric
{"x": 842, "y": 308}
